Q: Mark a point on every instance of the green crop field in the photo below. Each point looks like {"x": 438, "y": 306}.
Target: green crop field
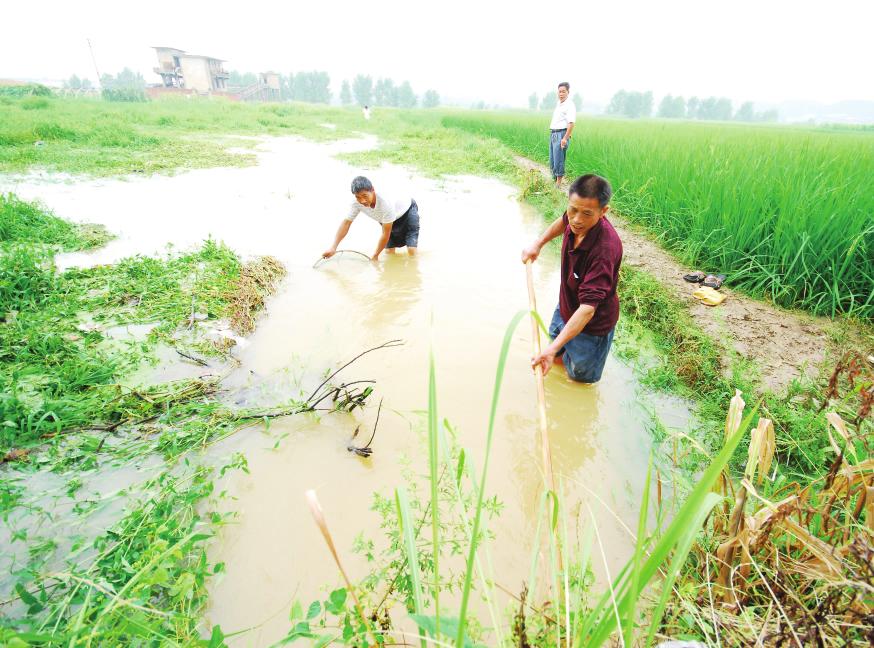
{"x": 785, "y": 213}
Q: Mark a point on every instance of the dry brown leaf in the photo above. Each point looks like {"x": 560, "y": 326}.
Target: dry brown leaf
{"x": 761, "y": 451}
{"x": 735, "y": 414}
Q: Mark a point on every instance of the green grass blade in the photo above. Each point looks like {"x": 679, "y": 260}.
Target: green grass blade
{"x": 408, "y": 534}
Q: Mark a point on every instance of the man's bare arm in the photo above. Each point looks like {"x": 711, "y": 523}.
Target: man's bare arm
{"x": 555, "y": 229}
{"x": 383, "y": 240}
{"x": 342, "y": 231}
{"x": 573, "y": 328}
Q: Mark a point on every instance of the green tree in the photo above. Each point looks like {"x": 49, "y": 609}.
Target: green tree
{"x": 532, "y": 101}
{"x": 312, "y": 87}
{"x": 127, "y": 85}
{"x": 73, "y": 83}
{"x": 746, "y": 112}
{"x": 692, "y": 108}
{"x": 321, "y": 84}
{"x": 242, "y": 79}
{"x": 385, "y": 93}
{"x": 300, "y": 87}
{"x": 722, "y": 109}
{"x": 672, "y": 108}
{"x": 286, "y": 87}
{"x": 405, "y": 96}
{"x": 362, "y": 88}
{"x": 631, "y": 104}
{"x": 345, "y": 93}
{"x": 578, "y": 101}
{"x": 431, "y": 99}
{"x": 549, "y": 102}
{"x": 715, "y": 108}
{"x": 617, "y": 103}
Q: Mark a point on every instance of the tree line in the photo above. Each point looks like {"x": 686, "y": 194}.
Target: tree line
{"x": 315, "y": 87}
{"x": 550, "y": 100}
{"x": 640, "y": 104}
{"x": 384, "y": 92}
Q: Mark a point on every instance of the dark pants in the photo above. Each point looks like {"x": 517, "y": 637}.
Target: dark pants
{"x": 405, "y": 230}
{"x": 585, "y": 355}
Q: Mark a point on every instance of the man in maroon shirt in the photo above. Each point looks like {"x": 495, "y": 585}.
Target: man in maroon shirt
{"x": 588, "y": 306}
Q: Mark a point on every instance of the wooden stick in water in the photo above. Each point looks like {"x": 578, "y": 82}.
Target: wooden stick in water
{"x": 541, "y": 392}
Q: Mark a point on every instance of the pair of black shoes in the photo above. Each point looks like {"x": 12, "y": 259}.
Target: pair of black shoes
{"x": 709, "y": 280}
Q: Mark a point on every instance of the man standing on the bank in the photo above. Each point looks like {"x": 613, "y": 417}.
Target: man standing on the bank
{"x": 588, "y": 306}
{"x": 560, "y": 129}
{"x": 398, "y": 219}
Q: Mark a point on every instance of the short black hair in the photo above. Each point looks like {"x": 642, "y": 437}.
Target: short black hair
{"x": 566, "y": 85}
{"x": 591, "y": 186}
{"x": 360, "y": 183}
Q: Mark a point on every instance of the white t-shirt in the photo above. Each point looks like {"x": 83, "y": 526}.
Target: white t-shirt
{"x": 384, "y": 211}
{"x": 565, "y": 113}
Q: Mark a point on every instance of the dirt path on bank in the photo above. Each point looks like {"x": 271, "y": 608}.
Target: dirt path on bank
{"x": 783, "y": 344}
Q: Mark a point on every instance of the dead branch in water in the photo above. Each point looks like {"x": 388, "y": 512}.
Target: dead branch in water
{"x": 366, "y": 450}
{"x": 194, "y": 359}
{"x": 385, "y": 345}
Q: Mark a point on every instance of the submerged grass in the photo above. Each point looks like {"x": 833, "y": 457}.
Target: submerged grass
{"x": 61, "y": 368}
{"x": 142, "y": 580}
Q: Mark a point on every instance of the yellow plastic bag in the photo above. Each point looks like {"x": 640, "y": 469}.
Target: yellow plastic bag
{"x": 708, "y": 296}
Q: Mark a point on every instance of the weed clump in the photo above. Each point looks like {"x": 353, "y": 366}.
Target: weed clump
{"x": 246, "y": 296}
{"x": 58, "y": 369}
{"x": 29, "y": 222}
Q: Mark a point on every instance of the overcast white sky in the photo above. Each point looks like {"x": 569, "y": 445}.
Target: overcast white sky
{"x": 760, "y": 50}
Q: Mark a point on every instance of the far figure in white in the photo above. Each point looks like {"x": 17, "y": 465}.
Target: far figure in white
{"x": 366, "y": 112}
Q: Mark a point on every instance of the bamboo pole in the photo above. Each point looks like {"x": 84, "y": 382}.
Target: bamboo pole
{"x": 548, "y": 476}
{"x": 541, "y": 392}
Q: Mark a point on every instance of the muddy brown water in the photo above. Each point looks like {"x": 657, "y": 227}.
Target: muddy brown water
{"x": 458, "y": 294}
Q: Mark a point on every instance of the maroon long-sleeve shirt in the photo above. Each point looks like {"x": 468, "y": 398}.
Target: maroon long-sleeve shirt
{"x": 590, "y": 274}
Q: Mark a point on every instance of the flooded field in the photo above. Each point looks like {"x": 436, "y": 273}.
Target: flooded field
{"x": 457, "y": 295}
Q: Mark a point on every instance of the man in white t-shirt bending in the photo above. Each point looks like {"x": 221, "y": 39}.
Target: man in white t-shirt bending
{"x": 561, "y": 127}
{"x": 399, "y": 219}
